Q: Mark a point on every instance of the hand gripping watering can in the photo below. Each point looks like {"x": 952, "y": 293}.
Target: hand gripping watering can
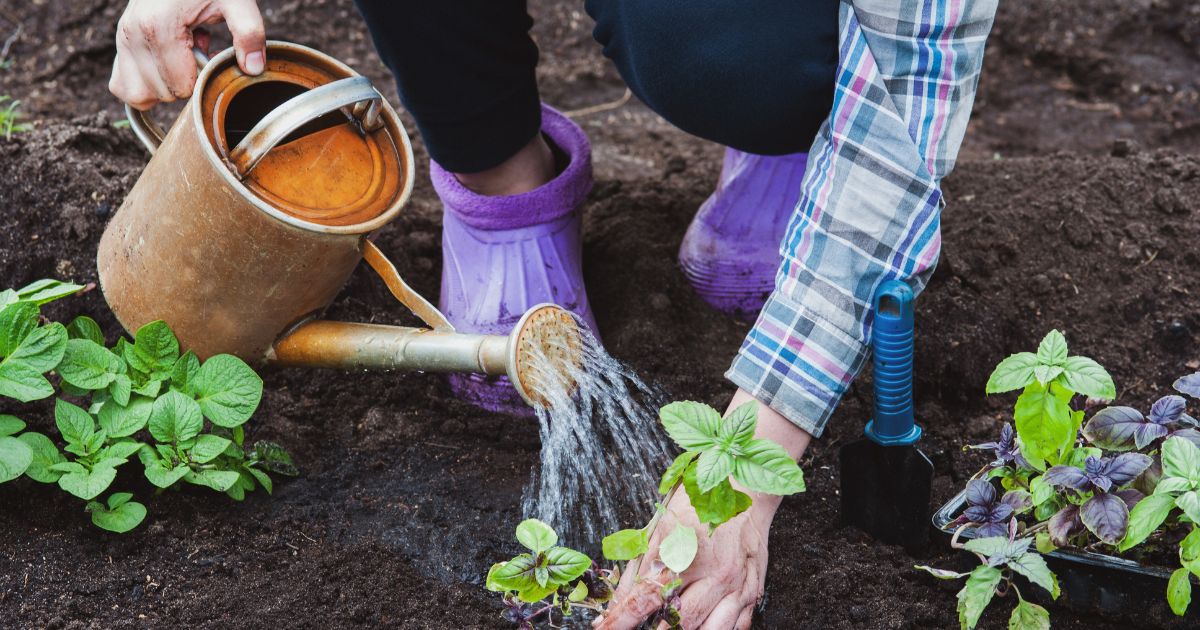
{"x": 254, "y": 210}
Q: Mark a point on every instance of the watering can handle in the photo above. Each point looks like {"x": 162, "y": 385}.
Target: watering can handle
{"x": 146, "y": 130}
{"x": 893, "y": 423}
{"x": 404, "y": 293}
{"x": 354, "y": 91}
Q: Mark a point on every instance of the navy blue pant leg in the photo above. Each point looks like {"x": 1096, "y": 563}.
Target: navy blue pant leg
{"x": 756, "y": 75}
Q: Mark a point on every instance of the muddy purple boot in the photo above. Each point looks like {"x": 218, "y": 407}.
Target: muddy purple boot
{"x": 502, "y": 255}
{"x": 731, "y": 251}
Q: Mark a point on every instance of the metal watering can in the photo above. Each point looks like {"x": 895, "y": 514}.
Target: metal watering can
{"x": 254, "y": 210}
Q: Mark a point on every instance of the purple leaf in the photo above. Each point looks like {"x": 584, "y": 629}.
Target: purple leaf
{"x": 1001, "y": 512}
{"x": 1148, "y": 480}
{"x": 1168, "y": 409}
{"x": 991, "y": 529}
{"x": 1130, "y": 497}
{"x": 1064, "y": 524}
{"x": 1191, "y": 435}
{"x": 1067, "y": 477}
{"x": 1126, "y": 467}
{"x": 1019, "y": 500}
{"x": 1189, "y": 385}
{"x": 980, "y": 492}
{"x": 1147, "y": 432}
{"x": 978, "y": 514}
{"x": 1106, "y": 515}
{"x": 1113, "y": 428}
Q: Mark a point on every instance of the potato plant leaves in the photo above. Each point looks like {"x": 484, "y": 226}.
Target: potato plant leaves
{"x": 134, "y": 389}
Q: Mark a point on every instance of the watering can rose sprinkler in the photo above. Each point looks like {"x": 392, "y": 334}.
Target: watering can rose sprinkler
{"x": 254, "y": 210}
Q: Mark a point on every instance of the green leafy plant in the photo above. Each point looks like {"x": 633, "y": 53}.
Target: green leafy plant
{"x": 1000, "y": 558}
{"x": 716, "y": 453}
{"x": 1049, "y": 379}
{"x": 1112, "y": 484}
{"x": 10, "y": 117}
{"x": 181, "y": 416}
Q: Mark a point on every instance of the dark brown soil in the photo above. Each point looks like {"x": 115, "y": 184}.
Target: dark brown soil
{"x": 407, "y": 496}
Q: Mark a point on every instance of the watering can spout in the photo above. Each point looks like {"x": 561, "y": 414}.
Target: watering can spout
{"x": 539, "y": 356}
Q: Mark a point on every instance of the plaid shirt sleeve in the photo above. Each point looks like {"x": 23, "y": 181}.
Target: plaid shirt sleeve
{"x": 871, "y": 198}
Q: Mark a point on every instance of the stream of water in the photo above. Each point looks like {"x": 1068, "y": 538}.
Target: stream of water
{"x": 603, "y": 449}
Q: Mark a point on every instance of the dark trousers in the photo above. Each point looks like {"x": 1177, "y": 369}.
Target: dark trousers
{"x": 755, "y": 75}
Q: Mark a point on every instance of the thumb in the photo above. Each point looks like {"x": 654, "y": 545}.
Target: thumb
{"x": 249, "y": 37}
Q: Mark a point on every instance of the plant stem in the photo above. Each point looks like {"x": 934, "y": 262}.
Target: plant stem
{"x": 632, "y": 566}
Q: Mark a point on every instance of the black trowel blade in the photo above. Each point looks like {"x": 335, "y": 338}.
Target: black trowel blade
{"x": 886, "y": 492}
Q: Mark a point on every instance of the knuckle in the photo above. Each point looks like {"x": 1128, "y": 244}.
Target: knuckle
{"x": 148, "y": 31}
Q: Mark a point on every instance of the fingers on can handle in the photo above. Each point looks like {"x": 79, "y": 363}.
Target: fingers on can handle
{"x": 249, "y": 36}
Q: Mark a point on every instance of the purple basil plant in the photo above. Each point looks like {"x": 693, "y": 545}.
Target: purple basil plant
{"x": 1007, "y": 450}
{"x": 1106, "y": 512}
{"x": 1126, "y": 429}
{"x": 990, "y": 513}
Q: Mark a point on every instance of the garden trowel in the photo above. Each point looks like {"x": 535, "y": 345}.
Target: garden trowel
{"x": 886, "y": 481}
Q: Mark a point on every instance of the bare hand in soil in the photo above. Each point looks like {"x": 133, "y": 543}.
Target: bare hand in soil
{"x": 721, "y": 587}
{"x": 154, "y": 62}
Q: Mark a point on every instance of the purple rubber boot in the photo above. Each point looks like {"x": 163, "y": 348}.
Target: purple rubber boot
{"x": 502, "y": 255}
{"x": 731, "y": 251}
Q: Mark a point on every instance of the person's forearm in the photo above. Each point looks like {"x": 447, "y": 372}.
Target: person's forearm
{"x": 772, "y": 426}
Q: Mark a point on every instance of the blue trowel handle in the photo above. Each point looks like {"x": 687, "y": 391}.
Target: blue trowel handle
{"x": 893, "y": 424}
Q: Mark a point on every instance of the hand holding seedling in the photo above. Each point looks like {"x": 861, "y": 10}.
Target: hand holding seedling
{"x": 725, "y": 581}
{"x": 701, "y": 559}
{"x": 154, "y": 62}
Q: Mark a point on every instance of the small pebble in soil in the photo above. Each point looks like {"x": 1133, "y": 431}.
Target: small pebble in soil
{"x": 1123, "y": 147}
{"x": 859, "y": 614}
{"x": 1177, "y": 332}
{"x": 103, "y": 209}
{"x": 1042, "y": 284}
{"x": 659, "y": 301}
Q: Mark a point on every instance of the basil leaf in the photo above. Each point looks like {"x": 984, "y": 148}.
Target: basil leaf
{"x": 766, "y": 467}
{"x": 713, "y": 467}
{"x": 536, "y": 535}
{"x": 1179, "y": 591}
{"x": 692, "y": 425}
{"x": 678, "y": 549}
{"x": 738, "y": 427}
{"x": 1027, "y": 616}
{"x": 1033, "y": 567}
{"x": 976, "y": 594}
{"x": 1086, "y": 377}
{"x": 1053, "y": 349}
{"x": 625, "y": 544}
{"x": 675, "y": 471}
{"x": 1014, "y": 372}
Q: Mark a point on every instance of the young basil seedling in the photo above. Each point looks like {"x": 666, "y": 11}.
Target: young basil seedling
{"x": 716, "y": 453}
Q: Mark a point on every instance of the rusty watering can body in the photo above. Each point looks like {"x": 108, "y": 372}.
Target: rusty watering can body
{"x": 255, "y": 209}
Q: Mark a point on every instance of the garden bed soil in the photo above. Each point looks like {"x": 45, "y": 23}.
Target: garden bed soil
{"x": 407, "y": 496}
